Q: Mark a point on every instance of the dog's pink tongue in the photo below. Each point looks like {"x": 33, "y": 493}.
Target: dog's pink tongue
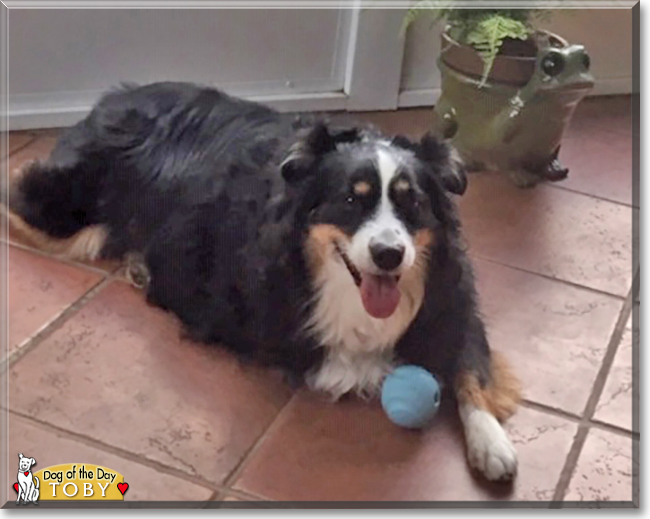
{"x": 380, "y": 295}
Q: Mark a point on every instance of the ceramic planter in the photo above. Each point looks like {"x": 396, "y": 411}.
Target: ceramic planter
{"x": 515, "y": 121}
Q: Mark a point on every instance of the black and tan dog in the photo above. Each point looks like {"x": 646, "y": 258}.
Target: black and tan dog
{"x": 332, "y": 252}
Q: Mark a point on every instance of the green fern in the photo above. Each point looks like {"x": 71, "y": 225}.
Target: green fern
{"x": 483, "y": 29}
{"x": 488, "y": 36}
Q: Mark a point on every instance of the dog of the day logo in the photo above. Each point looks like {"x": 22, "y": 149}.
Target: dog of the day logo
{"x": 68, "y": 482}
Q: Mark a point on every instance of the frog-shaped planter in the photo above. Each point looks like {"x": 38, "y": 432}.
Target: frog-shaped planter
{"x": 515, "y": 121}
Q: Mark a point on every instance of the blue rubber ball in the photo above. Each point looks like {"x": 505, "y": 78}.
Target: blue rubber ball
{"x": 410, "y": 397}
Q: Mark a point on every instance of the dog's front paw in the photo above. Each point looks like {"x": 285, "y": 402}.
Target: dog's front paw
{"x": 488, "y": 448}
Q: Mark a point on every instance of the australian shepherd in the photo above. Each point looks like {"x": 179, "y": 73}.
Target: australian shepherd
{"x": 332, "y": 252}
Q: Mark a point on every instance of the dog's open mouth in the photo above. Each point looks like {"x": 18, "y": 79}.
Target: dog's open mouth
{"x": 379, "y": 293}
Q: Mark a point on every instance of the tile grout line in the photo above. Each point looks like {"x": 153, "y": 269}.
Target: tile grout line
{"x": 610, "y": 132}
{"x": 116, "y": 451}
{"x": 84, "y": 266}
{"x": 592, "y": 402}
{"x": 545, "y": 276}
{"x": 544, "y": 408}
{"x": 32, "y": 140}
{"x": 554, "y": 185}
{"x": 565, "y": 415}
{"x": 614, "y": 429}
{"x": 54, "y": 324}
{"x": 596, "y": 197}
{"x": 239, "y": 468}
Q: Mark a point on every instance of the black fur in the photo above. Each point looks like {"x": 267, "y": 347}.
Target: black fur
{"x": 218, "y": 194}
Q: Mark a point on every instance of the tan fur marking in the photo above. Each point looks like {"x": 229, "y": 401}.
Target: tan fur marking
{"x": 500, "y": 397}
{"x": 402, "y": 185}
{"x": 84, "y": 245}
{"x": 361, "y": 188}
{"x": 423, "y": 238}
{"x": 414, "y": 279}
{"x": 320, "y": 243}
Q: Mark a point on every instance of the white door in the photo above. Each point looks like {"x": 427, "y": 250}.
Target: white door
{"x": 61, "y": 60}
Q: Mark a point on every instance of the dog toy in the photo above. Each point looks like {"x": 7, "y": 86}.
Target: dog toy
{"x": 410, "y": 397}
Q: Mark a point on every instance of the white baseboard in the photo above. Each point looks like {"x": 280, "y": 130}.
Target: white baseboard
{"x": 612, "y": 86}
{"x": 429, "y": 96}
{"x": 325, "y": 102}
{"x": 63, "y": 115}
{"x": 29, "y": 116}
{"x": 423, "y": 97}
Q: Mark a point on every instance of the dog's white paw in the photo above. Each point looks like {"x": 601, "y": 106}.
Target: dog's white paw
{"x": 488, "y": 448}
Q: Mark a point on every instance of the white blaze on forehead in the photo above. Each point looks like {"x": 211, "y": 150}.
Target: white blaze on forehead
{"x": 387, "y": 167}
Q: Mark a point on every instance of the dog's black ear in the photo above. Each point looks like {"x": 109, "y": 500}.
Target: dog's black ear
{"x": 33, "y": 462}
{"x": 342, "y": 135}
{"x": 306, "y": 152}
{"x": 404, "y": 142}
{"x": 445, "y": 162}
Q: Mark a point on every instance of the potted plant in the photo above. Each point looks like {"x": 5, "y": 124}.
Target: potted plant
{"x": 509, "y": 90}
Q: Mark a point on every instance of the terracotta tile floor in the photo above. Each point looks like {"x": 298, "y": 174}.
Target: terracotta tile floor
{"x": 96, "y": 374}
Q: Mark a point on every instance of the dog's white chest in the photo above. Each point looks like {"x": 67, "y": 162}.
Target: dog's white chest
{"x": 359, "y": 347}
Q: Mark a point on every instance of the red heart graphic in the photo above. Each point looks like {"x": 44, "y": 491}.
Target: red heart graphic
{"x": 26, "y": 473}
{"x": 122, "y": 487}
{"x": 16, "y": 487}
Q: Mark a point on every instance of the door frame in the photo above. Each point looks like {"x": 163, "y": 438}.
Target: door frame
{"x": 374, "y": 59}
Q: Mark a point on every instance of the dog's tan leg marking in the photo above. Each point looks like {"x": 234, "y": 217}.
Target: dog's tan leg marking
{"x": 84, "y": 245}
{"x": 500, "y": 396}
{"x": 481, "y": 409}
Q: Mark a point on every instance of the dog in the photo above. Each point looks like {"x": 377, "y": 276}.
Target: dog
{"x": 330, "y": 251}
{"x": 28, "y": 484}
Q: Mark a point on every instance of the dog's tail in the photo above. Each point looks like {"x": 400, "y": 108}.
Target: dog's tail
{"x": 55, "y": 209}
{"x": 36, "y": 482}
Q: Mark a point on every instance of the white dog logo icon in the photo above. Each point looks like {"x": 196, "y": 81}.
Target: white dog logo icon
{"x": 28, "y": 484}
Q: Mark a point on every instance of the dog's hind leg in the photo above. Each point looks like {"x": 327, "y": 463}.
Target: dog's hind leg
{"x": 54, "y": 208}
{"x": 36, "y": 494}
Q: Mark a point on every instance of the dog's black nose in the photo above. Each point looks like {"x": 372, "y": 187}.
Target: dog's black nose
{"x": 387, "y": 257}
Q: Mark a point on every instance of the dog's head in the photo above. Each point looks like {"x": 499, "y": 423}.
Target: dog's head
{"x": 24, "y": 463}
{"x": 376, "y": 206}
